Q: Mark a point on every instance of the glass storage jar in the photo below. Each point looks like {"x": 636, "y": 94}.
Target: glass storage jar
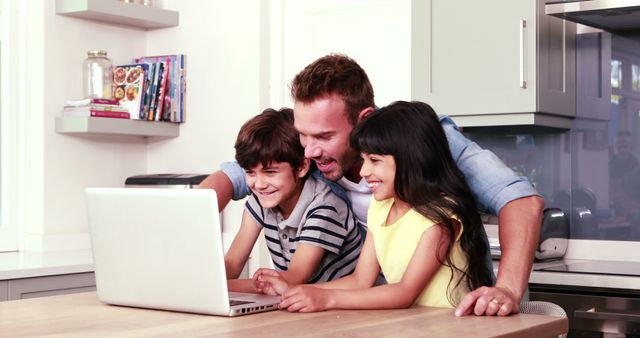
{"x": 97, "y": 72}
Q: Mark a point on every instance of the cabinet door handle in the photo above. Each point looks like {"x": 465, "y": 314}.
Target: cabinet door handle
{"x": 523, "y": 25}
{"x": 623, "y": 316}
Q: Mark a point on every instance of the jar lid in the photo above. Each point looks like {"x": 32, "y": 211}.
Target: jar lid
{"x": 97, "y": 52}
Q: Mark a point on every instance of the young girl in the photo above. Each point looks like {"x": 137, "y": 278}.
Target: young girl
{"x": 423, "y": 222}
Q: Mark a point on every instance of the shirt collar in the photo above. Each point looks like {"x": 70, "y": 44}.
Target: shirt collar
{"x": 298, "y": 213}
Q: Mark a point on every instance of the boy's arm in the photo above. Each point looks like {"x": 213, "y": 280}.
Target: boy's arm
{"x": 241, "y": 246}
{"x": 303, "y": 264}
{"x": 421, "y": 268}
{"x": 306, "y": 259}
{"x": 364, "y": 276}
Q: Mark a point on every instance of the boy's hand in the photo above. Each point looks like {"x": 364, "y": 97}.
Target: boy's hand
{"x": 270, "y": 282}
{"x": 306, "y": 298}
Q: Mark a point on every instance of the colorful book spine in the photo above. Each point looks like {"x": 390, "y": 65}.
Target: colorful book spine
{"x": 106, "y": 101}
{"x": 154, "y": 90}
{"x": 169, "y": 97}
{"x": 148, "y": 92}
{"x": 97, "y": 113}
{"x": 86, "y": 102}
{"x": 161, "y": 92}
{"x": 111, "y": 114}
{"x": 183, "y": 87}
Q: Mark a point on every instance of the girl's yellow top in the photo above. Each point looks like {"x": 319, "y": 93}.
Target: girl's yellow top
{"x": 395, "y": 245}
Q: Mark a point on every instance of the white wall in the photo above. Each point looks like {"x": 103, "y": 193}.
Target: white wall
{"x": 230, "y": 77}
{"x": 375, "y": 33}
{"x": 221, "y": 40}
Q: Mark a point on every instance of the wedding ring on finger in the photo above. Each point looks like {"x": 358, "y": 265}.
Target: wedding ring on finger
{"x": 495, "y": 301}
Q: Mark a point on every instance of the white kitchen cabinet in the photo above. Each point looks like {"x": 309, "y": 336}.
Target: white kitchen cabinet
{"x": 23, "y": 288}
{"x": 4, "y": 295}
{"x": 593, "y": 65}
{"x": 494, "y": 63}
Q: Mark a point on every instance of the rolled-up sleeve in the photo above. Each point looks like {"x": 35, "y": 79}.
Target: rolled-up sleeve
{"x": 238, "y": 179}
{"x": 492, "y": 183}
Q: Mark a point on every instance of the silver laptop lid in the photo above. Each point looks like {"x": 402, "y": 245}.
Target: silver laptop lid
{"x": 158, "y": 248}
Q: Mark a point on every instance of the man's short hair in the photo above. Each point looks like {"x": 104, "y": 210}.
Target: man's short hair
{"x": 267, "y": 138}
{"x": 335, "y": 74}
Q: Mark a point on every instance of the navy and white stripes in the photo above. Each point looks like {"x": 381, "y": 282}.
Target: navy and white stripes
{"x": 320, "y": 218}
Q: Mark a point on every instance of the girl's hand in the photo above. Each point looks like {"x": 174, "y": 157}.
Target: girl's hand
{"x": 270, "y": 282}
{"x": 306, "y": 298}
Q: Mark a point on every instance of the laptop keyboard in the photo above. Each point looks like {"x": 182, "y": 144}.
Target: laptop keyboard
{"x": 233, "y": 302}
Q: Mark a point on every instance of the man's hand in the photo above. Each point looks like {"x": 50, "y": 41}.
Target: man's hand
{"x": 270, "y": 282}
{"x": 520, "y": 222}
{"x": 489, "y": 301}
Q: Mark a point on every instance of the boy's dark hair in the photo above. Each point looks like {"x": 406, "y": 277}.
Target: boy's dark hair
{"x": 269, "y": 137}
{"x": 428, "y": 179}
{"x": 335, "y": 74}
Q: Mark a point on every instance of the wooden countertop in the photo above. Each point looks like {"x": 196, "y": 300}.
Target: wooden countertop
{"x": 83, "y": 315}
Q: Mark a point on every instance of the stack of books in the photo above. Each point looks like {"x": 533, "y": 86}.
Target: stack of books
{"x": 153, "y": 88}
{"x": 95, "y": 108}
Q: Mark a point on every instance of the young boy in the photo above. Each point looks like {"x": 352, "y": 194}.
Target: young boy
{"x": 312, "y": 234}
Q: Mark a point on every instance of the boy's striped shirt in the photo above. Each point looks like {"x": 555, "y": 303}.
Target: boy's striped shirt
{"x": 319, "y": 218}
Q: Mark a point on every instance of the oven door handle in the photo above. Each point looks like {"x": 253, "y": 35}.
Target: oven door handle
{"x": 622, "y": 316}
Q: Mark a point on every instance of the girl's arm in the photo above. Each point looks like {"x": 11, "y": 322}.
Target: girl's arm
{"x": 365, "y": 274}
{"x": 422, "y": 267}
{"x": 239, "y": 251}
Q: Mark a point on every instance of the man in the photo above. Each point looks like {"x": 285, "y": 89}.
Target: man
{"x": 331, "y": 96}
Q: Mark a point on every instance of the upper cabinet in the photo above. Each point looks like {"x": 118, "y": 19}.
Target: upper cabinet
{"x": 118, "y": 12}
{"x": 593, "y": 65}
{"x": 496, "y": 63}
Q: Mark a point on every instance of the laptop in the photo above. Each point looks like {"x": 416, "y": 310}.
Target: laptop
{"x": 162, "y": 249}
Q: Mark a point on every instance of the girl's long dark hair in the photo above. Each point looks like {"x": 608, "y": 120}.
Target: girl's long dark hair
{"x": 428, "y": 179}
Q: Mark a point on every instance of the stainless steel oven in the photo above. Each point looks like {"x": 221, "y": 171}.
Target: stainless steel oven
{"x": 595, "y": 311}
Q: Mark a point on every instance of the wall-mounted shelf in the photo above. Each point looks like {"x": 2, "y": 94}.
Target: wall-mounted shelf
{"x": 118, "y": 12}
{"x": 110, "y": 126}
